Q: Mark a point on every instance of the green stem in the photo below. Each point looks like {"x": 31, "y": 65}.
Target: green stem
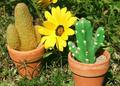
{"x": 36, "y": 9}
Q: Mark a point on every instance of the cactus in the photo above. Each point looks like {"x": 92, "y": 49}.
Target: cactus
{"x": 87, "y": 45}
{"x": 38, "y": 35}
{"x": 12, "y": 37}
{"x": 25, "y": 30}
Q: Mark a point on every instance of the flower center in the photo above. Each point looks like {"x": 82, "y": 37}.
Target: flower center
{"x": 59, "y": 30}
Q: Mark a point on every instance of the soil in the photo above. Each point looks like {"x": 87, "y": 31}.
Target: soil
{"x": 100, "y": 59}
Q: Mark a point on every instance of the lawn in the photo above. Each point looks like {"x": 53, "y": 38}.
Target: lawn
{"x": 55, "y": 70}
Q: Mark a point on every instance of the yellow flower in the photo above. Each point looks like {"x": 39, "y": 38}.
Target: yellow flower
{"x": 45, "y": 3}
{"x": 56, "y": 28}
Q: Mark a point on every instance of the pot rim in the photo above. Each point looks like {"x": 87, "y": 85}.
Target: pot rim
{"x": 89, "y": 70}
{"x": 94, "y": 64}
{"x": 40, "y": 46}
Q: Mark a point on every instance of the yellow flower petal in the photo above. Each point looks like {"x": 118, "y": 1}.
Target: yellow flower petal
{"x": 50, "y": 42}
{"x": 68, "y": 15}
{"x": 69, "y": 31}
{"x": 60, "y": 43}
{"x": 71, "y": 21}
{"x": 53, "y": 11}
{"x": 58, "y": 17}
{"x": 64, "y": 43}
{"x": 43, "y": 39}
{"x": 56, "y": 14}
{"x": 47, "y": 15}
{"x": 65, "y": 18}
{"x": 63, "y": 11}
{"x": 49, "y": 25}
{"x": 64, "y": 36}
{"x": 54, "y": 1}
{"x": 43, "y": 1}
{"x": 50, "y": 18}
{"x": 58, "y": 9}
{"x": 62, "y": 16}
{"x": 43, "y": 30}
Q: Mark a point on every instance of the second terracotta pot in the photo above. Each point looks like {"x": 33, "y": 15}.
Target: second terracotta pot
{"x": 89, "y": 74}
{"x": 28, "y": 63}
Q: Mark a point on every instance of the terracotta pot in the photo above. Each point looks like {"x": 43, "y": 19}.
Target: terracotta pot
{"x": 28, "y": 63}
{"x": 89, "y": 74}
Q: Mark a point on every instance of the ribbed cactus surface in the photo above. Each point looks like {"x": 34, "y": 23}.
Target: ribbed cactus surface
{"x": 24, "y": 28}
{"x": 87, "y": 45}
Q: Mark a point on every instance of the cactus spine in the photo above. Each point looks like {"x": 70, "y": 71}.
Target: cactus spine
{"x": 87, "y": 45}
{"x": 24, "y": 28}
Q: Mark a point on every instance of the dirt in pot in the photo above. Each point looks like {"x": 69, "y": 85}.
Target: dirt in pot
{"x": 100, "y": 59}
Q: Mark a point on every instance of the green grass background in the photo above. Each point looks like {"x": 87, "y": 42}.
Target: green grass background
{"x": 55, "y": 70}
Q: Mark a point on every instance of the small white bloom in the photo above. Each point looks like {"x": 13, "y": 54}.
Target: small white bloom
{"x": 83, "y": 31}
{"x": 101, "y": 43}
{"x": 102, "y": 29}
{"x": 95, "y": 43}
{"x": 98, "y": 35}
{"x": 84, "y": 41}
{"x": 76, "y": 31}
{"x": 87, "y": 60}
{"x": 73, "y": 54}
{"x": 77, "y": 41}
{"x": 76, "y": 51}
{"x": 78, "y": 48}
{"x": 86, "y": 52}
{"x": 73, "y": 46}
{"x": 70, "y": 48}
{"x": 76, "y": 23}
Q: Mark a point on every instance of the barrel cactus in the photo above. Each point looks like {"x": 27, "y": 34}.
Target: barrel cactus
{"x": 22, "y": 35}
{"x": 87, "y": 45}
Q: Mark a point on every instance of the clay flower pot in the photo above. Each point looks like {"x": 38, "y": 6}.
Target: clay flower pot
{"x": 89, "y": 74}
{"x": 28, "y": 63}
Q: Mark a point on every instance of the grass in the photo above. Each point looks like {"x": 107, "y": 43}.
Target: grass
{"x": 55, "y": 70}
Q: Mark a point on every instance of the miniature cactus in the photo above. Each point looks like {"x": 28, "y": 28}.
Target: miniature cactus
{"x": 87, "y": 45}
{"x": 24, "y": 29}
{"x": 12, "y": 37}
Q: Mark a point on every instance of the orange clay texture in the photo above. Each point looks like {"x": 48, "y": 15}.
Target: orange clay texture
{"x": 25, "y": 29}
{"x": 12, "y": 37}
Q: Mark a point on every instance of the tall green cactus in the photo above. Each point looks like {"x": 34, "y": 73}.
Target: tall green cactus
{"x": 87, "y": 45}
{"x": 23, "y": 29}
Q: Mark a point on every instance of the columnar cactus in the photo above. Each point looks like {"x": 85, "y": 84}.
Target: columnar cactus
{"x": 12, "y": 37}
{"x": 87, "y": 45}
{"x": 23, "y": 29}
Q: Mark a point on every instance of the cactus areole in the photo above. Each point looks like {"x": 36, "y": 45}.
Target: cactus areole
{"x": 87, "y": 45}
